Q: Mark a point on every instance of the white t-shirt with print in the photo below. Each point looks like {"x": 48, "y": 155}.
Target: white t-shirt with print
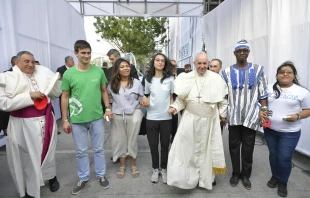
{"x": 291, "y": 101}
{"x": 159, "y": 98}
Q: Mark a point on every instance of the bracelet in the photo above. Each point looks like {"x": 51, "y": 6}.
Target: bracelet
{"x": 298, "y": 116}
{"x": 63, "y": 121}
{"x": 107, "y": 110}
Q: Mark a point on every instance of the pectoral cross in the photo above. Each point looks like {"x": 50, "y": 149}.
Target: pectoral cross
{"x": 198, "y": 98}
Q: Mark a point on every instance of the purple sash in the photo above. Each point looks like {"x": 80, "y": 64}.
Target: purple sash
{"x": 31, "y": 112}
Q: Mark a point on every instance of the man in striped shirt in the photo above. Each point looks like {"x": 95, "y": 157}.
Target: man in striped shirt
{"x": 247, "y": 87}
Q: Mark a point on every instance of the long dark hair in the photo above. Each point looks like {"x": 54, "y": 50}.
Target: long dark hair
{"x": 166, "y": 71}
{"x": 115, "y": 80}
{"x": 295, "y": 80}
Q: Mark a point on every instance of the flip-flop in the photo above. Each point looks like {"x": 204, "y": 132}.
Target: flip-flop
{"x": 135, "y": 172}
{"x": 121, "y": 172}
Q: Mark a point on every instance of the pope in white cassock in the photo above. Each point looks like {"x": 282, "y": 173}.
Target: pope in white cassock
{"x": 197, "y": 153}
{"x": 31, "y": 140}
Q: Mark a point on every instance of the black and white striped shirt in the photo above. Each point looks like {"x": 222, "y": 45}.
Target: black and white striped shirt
{"x": 246, "y": 86}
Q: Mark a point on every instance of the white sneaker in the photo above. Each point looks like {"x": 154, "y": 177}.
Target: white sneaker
{"x": 163, "y": 174}
{"x": 154, "y": 178}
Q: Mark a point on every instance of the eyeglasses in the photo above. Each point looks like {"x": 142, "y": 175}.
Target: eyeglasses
{"x": 160, "y": 60}
{"x": 285, "y": 72}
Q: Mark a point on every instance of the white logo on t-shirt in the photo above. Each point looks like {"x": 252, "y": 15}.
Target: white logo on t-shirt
{"x": 76, "y": 106}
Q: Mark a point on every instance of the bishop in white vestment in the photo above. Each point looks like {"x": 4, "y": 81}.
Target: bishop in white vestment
{"x": 31, "y": 140}
{"x": 197, "y": 154}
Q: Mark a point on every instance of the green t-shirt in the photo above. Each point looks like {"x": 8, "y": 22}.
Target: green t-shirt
{"x": 85, "y": 93}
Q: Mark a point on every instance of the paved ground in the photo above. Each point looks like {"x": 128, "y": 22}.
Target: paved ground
{"x": 298, "y": 186}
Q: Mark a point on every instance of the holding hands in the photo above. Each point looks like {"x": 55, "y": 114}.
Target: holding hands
{"x": 263, "y": 116}
{"x": 172, "y": 111}
{"x": 108, "y": 114}
{"x": 145, "y": 102}
{"x": 222, "y": 121}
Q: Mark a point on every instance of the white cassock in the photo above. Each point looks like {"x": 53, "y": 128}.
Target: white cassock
{"x": 197, "y": 153}
{"x": 26, "y": 135}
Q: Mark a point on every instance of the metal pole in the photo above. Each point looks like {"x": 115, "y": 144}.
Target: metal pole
{"x": 209, "y": 1}
{"x": 81, "y": 7}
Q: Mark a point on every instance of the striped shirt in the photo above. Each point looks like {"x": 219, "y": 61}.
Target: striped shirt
{"x": 246, "y": 86}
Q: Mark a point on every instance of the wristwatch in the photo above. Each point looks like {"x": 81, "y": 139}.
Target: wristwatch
{"x": 264, "y": 108}
{"x": 298, "y": 116}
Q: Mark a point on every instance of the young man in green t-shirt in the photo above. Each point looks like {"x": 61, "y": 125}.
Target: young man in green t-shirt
{"x": 83, "y": 86}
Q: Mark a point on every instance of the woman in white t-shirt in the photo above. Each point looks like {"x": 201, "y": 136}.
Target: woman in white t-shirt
{"x": 159, "y": 89}
{"x": 289, "y": 103}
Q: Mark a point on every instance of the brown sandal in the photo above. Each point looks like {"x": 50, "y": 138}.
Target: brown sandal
{"x": 121, "y": 172}
{"x": 135, "y": 172}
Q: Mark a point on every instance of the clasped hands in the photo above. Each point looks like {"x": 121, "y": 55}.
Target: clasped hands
{"x": 222, "y": 121}
{"x": 145, "y": 102}
{"x": 263, "y": 116}
{"x": 109, "y": 114}
{"x": 172, "y": 111}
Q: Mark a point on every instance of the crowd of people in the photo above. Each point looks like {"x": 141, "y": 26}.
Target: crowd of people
{"x": 207, "y": 98}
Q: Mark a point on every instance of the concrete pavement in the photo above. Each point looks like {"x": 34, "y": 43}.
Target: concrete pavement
{"x": 141, "y": 187}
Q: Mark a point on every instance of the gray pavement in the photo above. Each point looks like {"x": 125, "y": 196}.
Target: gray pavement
{"x": 298, "y": 185}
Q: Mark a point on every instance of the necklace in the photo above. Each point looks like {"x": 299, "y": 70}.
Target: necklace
{"x": 199, "y": 91}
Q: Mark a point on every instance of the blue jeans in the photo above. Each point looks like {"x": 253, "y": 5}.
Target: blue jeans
{"x": 281, "y": 147}
{"x": 80, "y": 136}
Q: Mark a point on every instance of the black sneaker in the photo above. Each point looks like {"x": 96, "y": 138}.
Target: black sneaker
{"x": 282, "y": 189}
{"x": 78, "y": 187}
{"x": 273, "y": 182}
{"x": 54, "y": 184}
{"x": 234, "y": 180}
{"x": 214, "y": 183}
{"x": 104, "y": 183}
{"x": 246, "y": 183}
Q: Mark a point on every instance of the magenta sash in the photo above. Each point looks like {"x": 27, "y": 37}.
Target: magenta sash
{"x": 31, "y": 112}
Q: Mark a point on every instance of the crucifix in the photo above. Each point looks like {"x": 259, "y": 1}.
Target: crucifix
{"x": 199, "y": 91}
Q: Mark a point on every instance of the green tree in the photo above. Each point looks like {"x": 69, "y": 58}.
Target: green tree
{"x": 137, "y": 35}
{"x": 98, "y": 61}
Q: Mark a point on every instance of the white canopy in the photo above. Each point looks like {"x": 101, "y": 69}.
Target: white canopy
{"x": 146, "y": 8}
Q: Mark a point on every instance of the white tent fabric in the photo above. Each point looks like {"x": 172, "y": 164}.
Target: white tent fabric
{"x": 185, "y": 39}
{"x": 146, "y": 8}
{"x": 277, "y": 30}
{"x": 48, "y": 29}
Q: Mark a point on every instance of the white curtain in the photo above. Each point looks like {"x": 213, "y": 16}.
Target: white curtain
{"x": 46, "y": 28}
{"x": 277, "y": 30}
{"x": 185, "y": 32}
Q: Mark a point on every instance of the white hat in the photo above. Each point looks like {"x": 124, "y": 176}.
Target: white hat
{"x": 243, "y": 44}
